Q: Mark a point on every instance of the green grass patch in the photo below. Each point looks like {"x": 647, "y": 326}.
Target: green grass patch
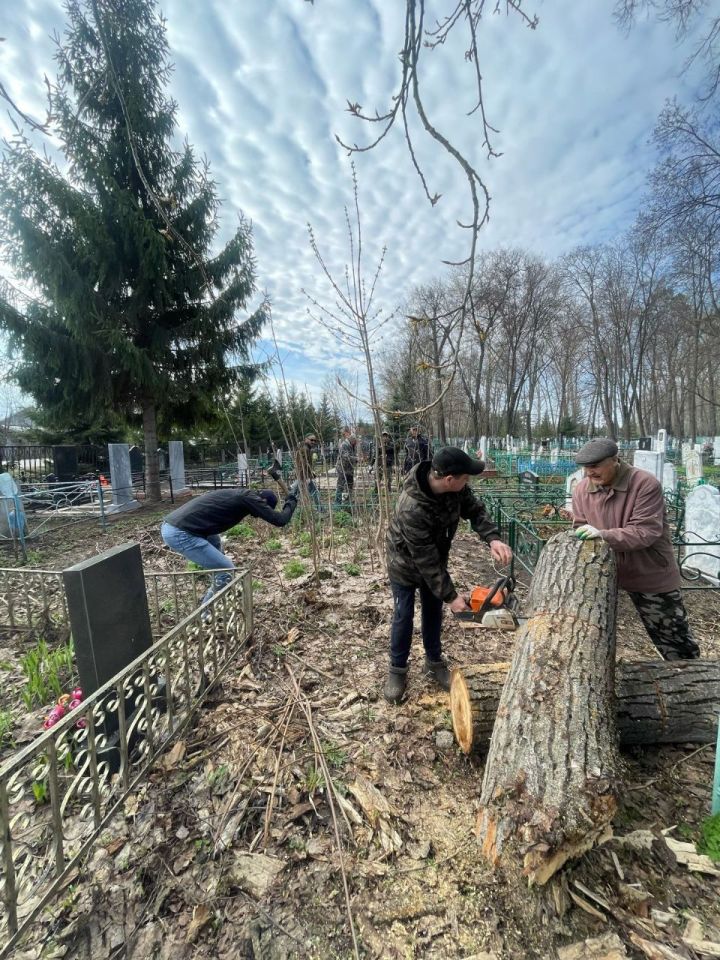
{"x": 294, "y": 569}
{"x": 709, "y": 842}
{"x": 273, "y": 545}
{"x": 302, "y": 537}
{"x": 258, "y": 586}
{"x": 305, "y": 551}
{"x": 6, "y": 725}
{"x": 191, "y": 565}
{"x": 241, "y": 531}
{"x": 342, "y": 519}
{"x": 45, "y": 673}
{"x": 352, "y": 569}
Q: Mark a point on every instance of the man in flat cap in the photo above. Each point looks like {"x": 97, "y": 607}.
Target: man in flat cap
{"x": 434, "y": 497}
{"x": 625, "y": 507}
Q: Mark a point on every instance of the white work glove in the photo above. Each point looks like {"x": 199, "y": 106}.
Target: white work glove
{"x": 588, "y": 532}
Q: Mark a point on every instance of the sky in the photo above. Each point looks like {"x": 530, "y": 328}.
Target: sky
{"x": 262, "y": 88}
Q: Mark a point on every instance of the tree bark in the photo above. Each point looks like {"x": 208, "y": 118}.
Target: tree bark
{"x": 152, "y": 463}
{"x": 548, "y": 793}
{"x": 655, "y": 702}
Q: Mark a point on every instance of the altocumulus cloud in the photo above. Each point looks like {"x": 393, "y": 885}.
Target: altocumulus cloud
{"x": 262, "y": 88}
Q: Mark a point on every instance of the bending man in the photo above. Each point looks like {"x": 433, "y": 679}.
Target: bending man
{"x": 193, "y": 530}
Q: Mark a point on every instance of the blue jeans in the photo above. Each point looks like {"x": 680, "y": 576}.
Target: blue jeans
{"x": 431, "y": 610}
{"x": 206, "y": 552}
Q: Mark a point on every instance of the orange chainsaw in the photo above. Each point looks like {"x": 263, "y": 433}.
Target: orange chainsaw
{"x": 492, "y": 608}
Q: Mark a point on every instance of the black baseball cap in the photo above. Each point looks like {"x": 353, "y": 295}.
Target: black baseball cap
{"x": 452, "y": 461}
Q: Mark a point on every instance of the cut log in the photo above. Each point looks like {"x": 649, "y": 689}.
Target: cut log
{"x": 548, "y": 793}
{"x": 656, "y": 701}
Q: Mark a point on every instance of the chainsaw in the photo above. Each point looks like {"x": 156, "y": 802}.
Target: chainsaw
{"x": 492, "y": 608}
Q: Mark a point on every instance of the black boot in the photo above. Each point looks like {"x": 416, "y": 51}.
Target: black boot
{"x": 394, "y": 689}
{"x": 438, "y": 671}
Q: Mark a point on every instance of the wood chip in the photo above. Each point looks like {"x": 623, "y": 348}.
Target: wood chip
{"x": 607, "y": 947}
{"x": 689, "y": 857}
{"x": 654, "y": 950}
{"x": 587, "y": 907}
{"x": 705, "y": 948}
{"x": 202, "y": 915}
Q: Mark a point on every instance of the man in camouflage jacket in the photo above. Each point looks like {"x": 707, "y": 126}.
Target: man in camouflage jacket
{"x": 345, "y": 466}
{"x": 434, "y": 498}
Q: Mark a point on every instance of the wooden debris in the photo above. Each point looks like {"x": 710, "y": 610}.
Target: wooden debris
{"x": 607, "y": 947}
{"x": 255, "y": 873}
{"x": 689, "y": 857}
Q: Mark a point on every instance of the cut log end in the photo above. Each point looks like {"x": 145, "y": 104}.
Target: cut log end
{"x": 461, "y": 709}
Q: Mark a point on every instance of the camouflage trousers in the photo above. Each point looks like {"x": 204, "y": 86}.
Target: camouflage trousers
{"x": 666, "y": 621}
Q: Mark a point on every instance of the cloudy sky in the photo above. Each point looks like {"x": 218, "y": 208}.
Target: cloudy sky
{"x": 262, "y": 88}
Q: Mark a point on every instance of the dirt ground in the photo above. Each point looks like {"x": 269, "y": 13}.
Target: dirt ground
{"x": 231, "y": 849}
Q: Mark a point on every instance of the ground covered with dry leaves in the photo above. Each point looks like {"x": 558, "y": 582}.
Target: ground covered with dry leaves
{"x": 302, "y": 816}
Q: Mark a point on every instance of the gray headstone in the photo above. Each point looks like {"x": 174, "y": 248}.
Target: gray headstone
{"x": 645, "y": 443}
{"x": 243, "y": 471}
{"x": 693, "y": 467}
{"x": 121, "y": 479}
{"x": 716, "y": 451}
{"x": 162, "y": 460}
{"x": 108, "y": 610}
{"x": 685, "y": 451}
{"x": 669, "y": 480}
{"x": 554, "y": 454}
{"x": 661, "y": 441}
{"x": 65, "y": 463}
{"x": 702, "y": 527}
{"x": 650, "y": 461}
{"x": 12, "y": 517}
{"x": 177, "y": 467}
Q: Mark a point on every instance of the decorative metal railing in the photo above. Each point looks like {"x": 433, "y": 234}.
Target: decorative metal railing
{"x": 33, "y": 600}
{"x": 58, "y": 794}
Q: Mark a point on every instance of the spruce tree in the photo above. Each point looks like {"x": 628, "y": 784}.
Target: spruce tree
{"x": 132, "y": 312}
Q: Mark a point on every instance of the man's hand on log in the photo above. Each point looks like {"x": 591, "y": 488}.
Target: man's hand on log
{"x": 587, "y": 532}
{"x": 459, "y": 604}
{"x": 501, "y": 552}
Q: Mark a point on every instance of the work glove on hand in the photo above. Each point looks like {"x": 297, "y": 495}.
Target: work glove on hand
{"x": 588, "y": 532}
{"x": 294, "y": 490}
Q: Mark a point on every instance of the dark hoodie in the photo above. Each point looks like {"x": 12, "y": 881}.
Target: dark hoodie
{"x": 421, "y": 532}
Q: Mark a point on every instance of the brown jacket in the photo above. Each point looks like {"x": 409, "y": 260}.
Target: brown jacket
{"x": 631, "y": 518}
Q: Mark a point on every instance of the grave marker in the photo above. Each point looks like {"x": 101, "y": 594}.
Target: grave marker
{"x": 177, "y": 468}
{"x": 137, "y": 460}
{"x": 108, "y": 610}
{"x": 669, "y": 480}
{"x": 243, "y": 471}
{"x": 121, "y": 479}
{"x": 716, "y": 452}
{"x": 650, "y": 461}
{"x": 661, "y": 441}
{"x": 572, "y": 481}
{"x": 645, "y": 443}
{"x": 702, "y": 528}
{"x": 65, "y": 463}
{"x": 693, "y": 468}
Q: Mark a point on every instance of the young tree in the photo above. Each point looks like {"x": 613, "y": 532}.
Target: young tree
{"x": 133, "y": 314}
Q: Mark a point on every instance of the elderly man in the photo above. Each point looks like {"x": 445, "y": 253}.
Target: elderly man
{"x": 625, "y": 507}
{"x": 434, "y": 498}
{"x": 417, "y": 449}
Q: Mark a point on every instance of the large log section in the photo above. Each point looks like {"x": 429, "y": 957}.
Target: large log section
{"x": 656, "y": 701}
{"x": 550, "y": 779}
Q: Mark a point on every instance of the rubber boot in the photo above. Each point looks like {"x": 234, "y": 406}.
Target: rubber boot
{"x": 437, "y": 670}
{"x": 394, "y": 689}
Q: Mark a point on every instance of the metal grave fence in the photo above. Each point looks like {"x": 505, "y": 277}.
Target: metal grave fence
{"x": 58, "y": 793}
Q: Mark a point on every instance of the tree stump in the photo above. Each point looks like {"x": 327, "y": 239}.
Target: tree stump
{"x": 548, "y": 793}
{"x": 656, "y": 701}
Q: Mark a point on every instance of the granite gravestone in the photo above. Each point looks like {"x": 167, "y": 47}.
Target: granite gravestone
{"x": 645, "y": 443}
{"x": 243, "y": 470}
{"x": 661, "y": 441}
{"x": 177, "y": 467}
{"x": 137, "y": 460}
{"x": 669, "y": 480}
{"x": 65, "y": 463}
{"x": 650, "y": 460}
{"x": 109, "y": 617}
{"x": 572, "y": 481}
{"x": 716, "y": 451}
{"x": 121, "y": 479}
{"x": 702, "y": 530}
{"x": 693, "y": 468}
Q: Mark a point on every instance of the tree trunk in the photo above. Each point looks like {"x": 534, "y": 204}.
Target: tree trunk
{"x": 548, "y": 793}
{"x": 655, "y": 702}
{"x": 152, "y": 463}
